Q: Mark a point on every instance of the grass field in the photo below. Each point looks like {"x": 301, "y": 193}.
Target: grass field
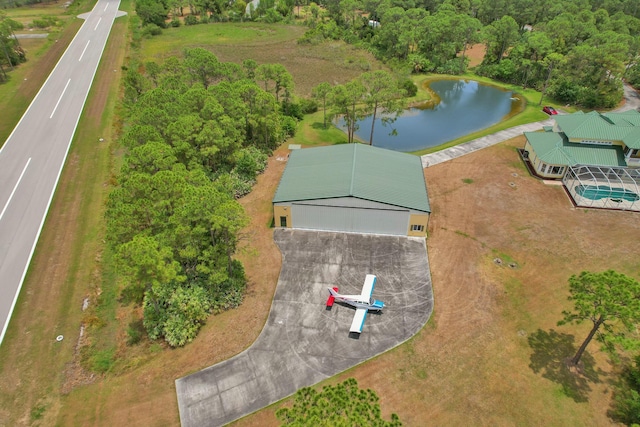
{"x": 490, "y": 355}
{"x": 333, "y": 62}
{"x": 26, "y": 14}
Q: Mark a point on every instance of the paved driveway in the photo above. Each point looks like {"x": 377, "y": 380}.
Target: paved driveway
{"x": 303, "y": 343}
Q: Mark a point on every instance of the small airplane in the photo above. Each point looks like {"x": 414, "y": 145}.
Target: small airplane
{"x": 362, "y": 303}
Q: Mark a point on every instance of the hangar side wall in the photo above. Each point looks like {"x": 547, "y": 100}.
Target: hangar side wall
{"x": 350, "y": 219}
{"x": 350, "y": 214}
{"x": 418, "y": 225}
{"x": 280, "y": 212}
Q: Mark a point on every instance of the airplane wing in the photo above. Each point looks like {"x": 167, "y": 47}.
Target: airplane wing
{"x": 367, "y": 289}
{"x": 358, "y": 320}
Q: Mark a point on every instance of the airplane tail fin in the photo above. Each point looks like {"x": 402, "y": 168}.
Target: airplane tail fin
{"x": 333, "y": 291}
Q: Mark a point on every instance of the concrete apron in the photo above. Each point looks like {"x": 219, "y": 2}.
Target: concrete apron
{"x": 302, "y": 342}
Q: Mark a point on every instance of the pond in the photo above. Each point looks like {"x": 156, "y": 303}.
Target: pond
{"x": 464, "y": 106}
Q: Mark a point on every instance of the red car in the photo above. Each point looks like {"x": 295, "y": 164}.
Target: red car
{"x": 550, "y": 110}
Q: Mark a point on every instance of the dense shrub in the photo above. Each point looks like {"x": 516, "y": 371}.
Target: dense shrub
{"x": 152, "y": 12}
{"x": 289, "y": 125}
{"x": 344, "y": 404}
{"x": 419, "y": 63}
{"x": 452, "y": 66}
{"x": 626, "y": 399}
{"x": 633, "y": 76}
{"x": 292, "y": 109}
{"x": 250, "y": 162}
{"x": 175, "y": 312}
{"x": 565, "y": 91}
{"x": 151, "y": 30}
{"x": 190, "y": 20}
{"x": 135, "y": 332}
{"x": 505, "y": 71}
{"x": 45, "y": 22}
{"x": 408, "y": 86}
{"x": 308, "y": 106}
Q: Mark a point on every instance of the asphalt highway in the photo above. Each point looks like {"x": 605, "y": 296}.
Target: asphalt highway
{"x": 32, "y": 158}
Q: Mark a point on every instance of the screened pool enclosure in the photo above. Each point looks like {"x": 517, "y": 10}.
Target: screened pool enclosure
{"x": 604, "y": 187}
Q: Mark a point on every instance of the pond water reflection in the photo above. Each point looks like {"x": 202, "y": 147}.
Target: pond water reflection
{"x": 465, "y": 106}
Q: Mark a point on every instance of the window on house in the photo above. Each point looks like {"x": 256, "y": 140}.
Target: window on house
{"x": 543, "y": 167}
{"x": 283, "y": 221}
{"x": 557, "y": 170}
{"x": 416, "y": 227}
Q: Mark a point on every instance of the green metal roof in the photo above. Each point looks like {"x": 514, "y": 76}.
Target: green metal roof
{"x": 623, "y": 126}
{"x": 552, "y": 148}
{"x": 354, "y": 170}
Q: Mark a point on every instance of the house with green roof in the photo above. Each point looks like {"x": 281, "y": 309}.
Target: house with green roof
{"x": 595, "y": 139}
{"x": 353, "y": 188}
{"x": 597, "y": 156}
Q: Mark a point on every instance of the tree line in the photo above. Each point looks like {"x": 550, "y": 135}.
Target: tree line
{"x": 168, "y": 12}
{"x": 197, "y": 133}
{"x": 576, "y": 51}
{"x": 11, "y": 53}
{"x": 374, "y": 93}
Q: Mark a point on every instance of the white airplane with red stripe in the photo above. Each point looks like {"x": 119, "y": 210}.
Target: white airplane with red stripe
{"x": 362, "y": 303}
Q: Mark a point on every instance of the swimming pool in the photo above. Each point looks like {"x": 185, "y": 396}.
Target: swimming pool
{"x": 596, "y": 192}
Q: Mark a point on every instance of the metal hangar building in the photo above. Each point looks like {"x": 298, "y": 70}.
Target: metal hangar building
{"x": 353, "y": 188}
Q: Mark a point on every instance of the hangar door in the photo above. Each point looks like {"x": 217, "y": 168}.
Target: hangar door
{"x": 349, "y": 219}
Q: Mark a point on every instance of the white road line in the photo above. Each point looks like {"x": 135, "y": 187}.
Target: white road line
{"x": 98, "y": 24}
{"x": 84, "y": 50}
{"x": 105, "y": 8}
{"x": 14, "y": 189}
{"x": 33, "y": 101}
{"x": 60, "y": 99}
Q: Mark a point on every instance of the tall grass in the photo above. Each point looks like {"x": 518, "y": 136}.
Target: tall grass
{"x": 174, "y": 40}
